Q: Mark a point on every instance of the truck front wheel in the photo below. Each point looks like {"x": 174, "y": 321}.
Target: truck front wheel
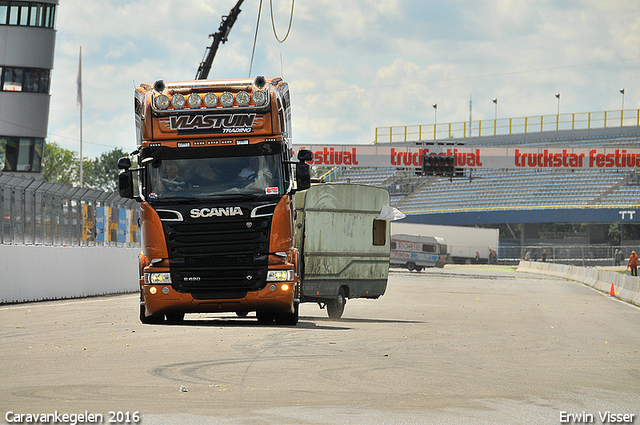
{"x": 290, "y": 319}
{"x": 175, "y": 317}
{"x": 154, "y": 319}
{"x": 335, "y": 307}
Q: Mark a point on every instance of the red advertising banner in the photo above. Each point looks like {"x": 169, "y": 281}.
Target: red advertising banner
{"x": 390, "y": 155}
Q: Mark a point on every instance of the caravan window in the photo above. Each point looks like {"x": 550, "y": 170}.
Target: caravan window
{"x": 393, "y": 245}
{"x": 428, "y": 248}
{"x": 379, "y": 232}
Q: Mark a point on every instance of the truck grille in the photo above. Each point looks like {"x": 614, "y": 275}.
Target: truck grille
{"x": 221, "y": 259}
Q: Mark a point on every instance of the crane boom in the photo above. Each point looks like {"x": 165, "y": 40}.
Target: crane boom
{"x": 219, "y": 37}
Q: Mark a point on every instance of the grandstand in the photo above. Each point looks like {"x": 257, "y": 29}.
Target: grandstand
{"x": 496, "y": 189}
{"x": 520, "y": 198}
{"x": 501, "y": 189}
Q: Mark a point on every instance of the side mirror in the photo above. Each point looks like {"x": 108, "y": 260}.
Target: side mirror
{"x": 124, "y": 163}
{"x": 125, "y": 183}
{"x": 303, "y": 176}
{"x": 305, "y": 155}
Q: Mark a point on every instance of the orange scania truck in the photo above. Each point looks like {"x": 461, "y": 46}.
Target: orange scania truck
{"x": 216, "y": 181}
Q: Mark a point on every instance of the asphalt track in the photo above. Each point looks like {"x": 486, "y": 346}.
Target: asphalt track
{"x": 449, "y": 346}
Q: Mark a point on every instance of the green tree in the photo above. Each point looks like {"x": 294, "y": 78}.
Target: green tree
{"x": 60, "y": 165}
{"x": 614, "y": 233}
{"x": 102, "y": 172}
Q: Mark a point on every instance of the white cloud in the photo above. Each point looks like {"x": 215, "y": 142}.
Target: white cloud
{"x": 351, "y": 65}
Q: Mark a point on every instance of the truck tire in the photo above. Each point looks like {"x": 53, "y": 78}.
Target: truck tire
{"x": 335, "y": 307}
{"x": 265, "y": 316}
{"x": 289, "y": 319}
{"x": 175, "y": 317}
{"x": 154, "y": 319}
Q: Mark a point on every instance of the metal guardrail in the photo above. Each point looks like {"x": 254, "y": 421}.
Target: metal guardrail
{"x": 505, "y": 126}
{"x": 38, "y": 212}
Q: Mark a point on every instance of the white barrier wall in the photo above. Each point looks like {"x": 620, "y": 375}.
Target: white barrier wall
{"x": 626, "y": 287}
{"x": 34, "y": 273}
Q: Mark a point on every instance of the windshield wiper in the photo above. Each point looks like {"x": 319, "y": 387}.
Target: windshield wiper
{"x": 235, "y": 196}
{"x": 178, "y": 199}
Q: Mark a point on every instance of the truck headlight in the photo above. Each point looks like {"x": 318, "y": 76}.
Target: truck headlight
{"x": 158, "y": 278}
{"x": 279, "y": 275}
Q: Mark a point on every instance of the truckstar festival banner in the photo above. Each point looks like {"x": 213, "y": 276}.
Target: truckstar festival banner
{"x": 402, "y": 156}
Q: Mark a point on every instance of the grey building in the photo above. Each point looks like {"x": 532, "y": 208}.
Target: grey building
{"x": 27, "y": 41}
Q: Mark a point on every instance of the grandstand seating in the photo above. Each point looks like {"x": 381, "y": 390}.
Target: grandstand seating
{"x": 506, "y": 189}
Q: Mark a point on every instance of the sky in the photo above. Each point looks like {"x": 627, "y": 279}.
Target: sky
{"x": 351, "y": 65}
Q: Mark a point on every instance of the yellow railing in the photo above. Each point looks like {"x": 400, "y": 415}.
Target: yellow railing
{"x": 514, "y": 208}
{"x": 503, "y": 126}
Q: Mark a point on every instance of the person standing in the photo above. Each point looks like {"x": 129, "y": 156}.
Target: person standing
{"x": 618, "y": 257}
{"x": 633, "y": 263}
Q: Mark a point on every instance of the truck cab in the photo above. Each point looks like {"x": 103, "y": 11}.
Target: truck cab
{"x": 215, "y": 186}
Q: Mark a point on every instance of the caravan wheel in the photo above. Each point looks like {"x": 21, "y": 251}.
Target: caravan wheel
{"x": 411, "y": 266}
{"x": 335, "y": 307}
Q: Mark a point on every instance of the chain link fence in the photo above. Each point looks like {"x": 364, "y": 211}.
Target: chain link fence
{"x": 38, "y": 212}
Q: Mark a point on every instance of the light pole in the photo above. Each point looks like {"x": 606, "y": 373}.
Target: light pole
{"x": 495, "y": 116}
{"x": 435, "y": 119}
{"x": 558, "y": 97}
{"x": 622, "y": 93}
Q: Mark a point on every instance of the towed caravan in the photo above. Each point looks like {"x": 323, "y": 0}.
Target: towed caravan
{"x": 343, "y": 244}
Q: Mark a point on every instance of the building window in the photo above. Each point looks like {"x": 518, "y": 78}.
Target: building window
{"x": 21, "y": 154}
{"x": 12, "y": 79}
{"x": 31, "y": 80}
{"x": 27, "y": 13}
{"x": 35, "y": 15}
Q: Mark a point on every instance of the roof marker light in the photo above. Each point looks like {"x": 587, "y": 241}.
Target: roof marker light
{"x": 162, "y": 101}
{"x": 194, "y": 100}
{"x": 259, "y": 97}
{"x": 210, "y": 100}
{"x": 243, "y": 98}
{"x": 226, "y": 99}
{"x": 178, "y": 101}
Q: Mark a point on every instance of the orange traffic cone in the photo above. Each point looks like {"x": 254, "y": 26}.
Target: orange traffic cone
{"x": 612, "y": 292}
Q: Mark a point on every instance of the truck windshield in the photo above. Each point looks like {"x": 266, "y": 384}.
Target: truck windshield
{"x": 206, "y": 178}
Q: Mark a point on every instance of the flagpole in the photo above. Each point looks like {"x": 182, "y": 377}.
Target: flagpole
{"x": 80, "y": 103}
